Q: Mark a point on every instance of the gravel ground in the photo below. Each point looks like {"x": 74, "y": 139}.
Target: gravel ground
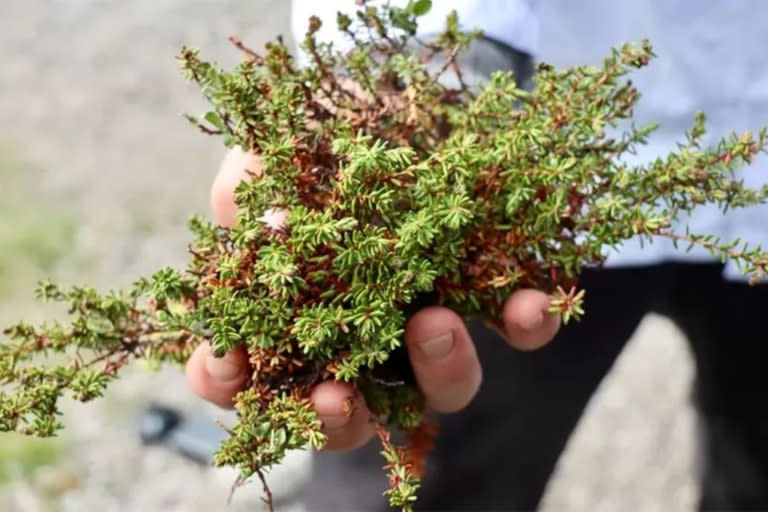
{"x": 89, "y": 104}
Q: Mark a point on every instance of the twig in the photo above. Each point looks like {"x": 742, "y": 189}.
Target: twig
{"x": 255, "y": 57}
{"x": 449, "y": 61}
{"x": 268, "y": 500}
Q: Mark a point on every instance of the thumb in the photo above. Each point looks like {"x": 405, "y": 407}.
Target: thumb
{"x": 237, "y": 167}
{"x": 217, "y": 379}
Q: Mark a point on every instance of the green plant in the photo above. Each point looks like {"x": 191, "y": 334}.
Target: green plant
{"x": 399, "y": 191}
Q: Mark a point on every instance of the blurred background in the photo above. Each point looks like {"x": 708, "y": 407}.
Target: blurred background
{"x": 98, "y": 174}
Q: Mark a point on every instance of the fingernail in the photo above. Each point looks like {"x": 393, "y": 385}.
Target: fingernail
{"x": 334, "y": 422}
{"x": 437, "y": 348}
{"x": 222, "y": 369}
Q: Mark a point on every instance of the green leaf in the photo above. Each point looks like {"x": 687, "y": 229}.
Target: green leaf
{"x": 213, "y": 118}
{"x": 402, "y": 19}
{"x": 419, "y": 7}
{"x": 100, "y": 324}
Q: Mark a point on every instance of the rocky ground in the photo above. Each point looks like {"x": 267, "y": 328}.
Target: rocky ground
{"x": 94, "y": 147}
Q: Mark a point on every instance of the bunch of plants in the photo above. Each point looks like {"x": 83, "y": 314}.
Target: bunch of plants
{"x": 399, "y": 191}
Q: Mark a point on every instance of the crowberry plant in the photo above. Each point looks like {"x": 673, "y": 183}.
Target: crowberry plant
{"x": 399, "y": 191}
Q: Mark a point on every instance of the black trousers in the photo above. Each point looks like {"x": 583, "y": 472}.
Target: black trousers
{"x": 499, "y": 453}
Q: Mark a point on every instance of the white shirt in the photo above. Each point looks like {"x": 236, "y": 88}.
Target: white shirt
{"x": 711, "y": 56}
{"x": 510, "y": 21}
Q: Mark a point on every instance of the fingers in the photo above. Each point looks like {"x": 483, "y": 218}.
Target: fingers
{"x": 444, "y": 361}
{"x": 236, "y": 167}
{"x": 443, "y": 354}
{"x": 346, "y": 419}
{"x": 443, "y": 358}
{"x": 213, "y": 379}
{"x": 217, "y": 380}
{"x": 528, "y": 325}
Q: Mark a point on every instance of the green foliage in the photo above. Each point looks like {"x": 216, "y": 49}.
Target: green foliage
{"x": 399, "y": 191}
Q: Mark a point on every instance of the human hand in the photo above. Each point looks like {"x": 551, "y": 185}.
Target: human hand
{"x": 441, "y": 350}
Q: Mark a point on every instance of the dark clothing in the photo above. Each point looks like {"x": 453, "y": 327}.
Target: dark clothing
{"x": 499, "y": 453}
